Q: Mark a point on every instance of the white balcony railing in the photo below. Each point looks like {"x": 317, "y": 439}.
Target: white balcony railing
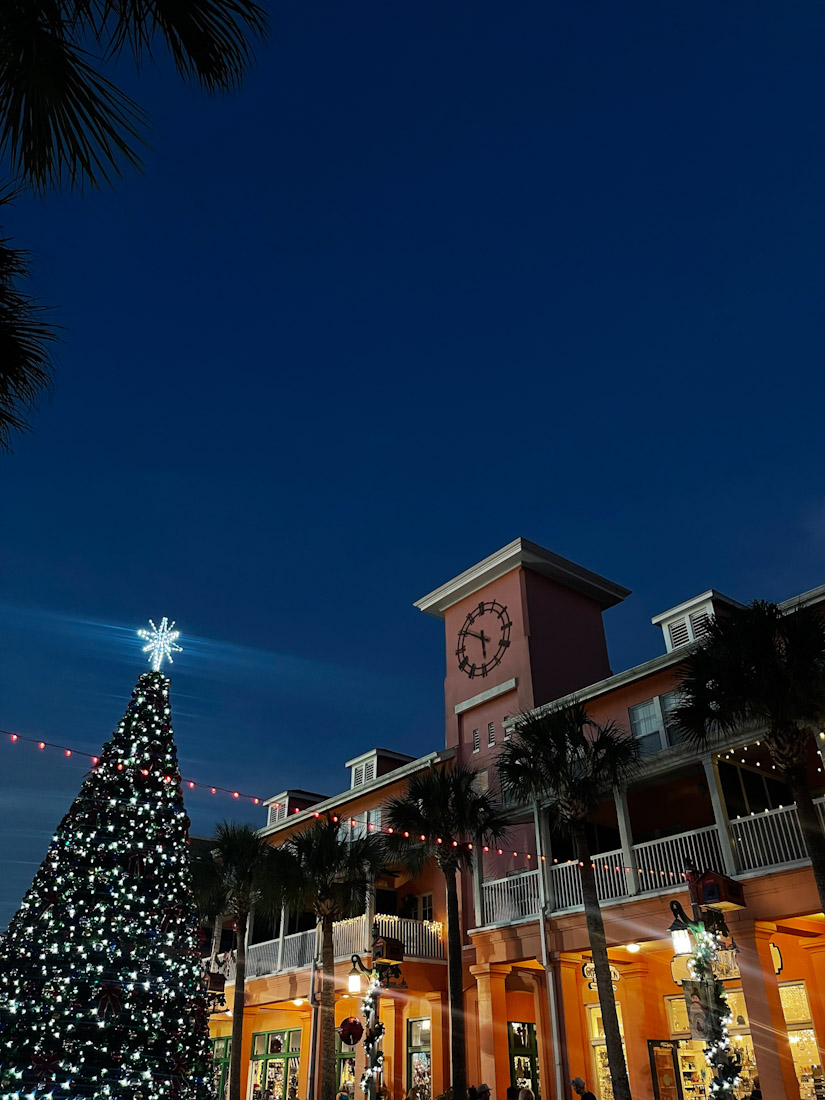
{"x": 421, "y": 939}
{"x": 661, "y": 863}
{"x": 510, "y": 899}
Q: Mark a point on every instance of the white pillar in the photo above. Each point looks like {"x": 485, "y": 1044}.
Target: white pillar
{"x": 281, "y": 940}
{"x": 626, "y": 838}
{"x": 478, "y": 878}
{"x": 720, "y": 813}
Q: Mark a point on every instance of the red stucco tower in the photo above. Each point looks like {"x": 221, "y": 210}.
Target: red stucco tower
{"x": 522, "y": 627}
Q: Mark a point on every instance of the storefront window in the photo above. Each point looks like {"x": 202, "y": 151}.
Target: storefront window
{"x": 595, "y": 1026}
{"x": 692, "y": 1066}
{"x": 345, "y": 1059}
{"x": 802, "y": 1039}
{"x": 221, "y": 1055}
{"x": 524, "y": 1057}
{"x": 275, "y": 1063}
{"x": 419, "y": 1059}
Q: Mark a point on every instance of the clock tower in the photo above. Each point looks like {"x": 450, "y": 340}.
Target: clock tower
{"x": 523, "y": 627}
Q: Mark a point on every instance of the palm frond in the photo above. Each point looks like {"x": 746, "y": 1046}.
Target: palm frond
{"x": 63, "y": 122}
{"x": 757, "y": 664}
{"x": 247, "y": 873}
{"x": 26, "y": 338}
{"x": 445, "y": 806}
{"x": 564, "y": 756}
{"x": 329, "y": 872}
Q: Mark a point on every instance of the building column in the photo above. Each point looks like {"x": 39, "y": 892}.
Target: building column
{"x": 720, "y": 813}
{"x": 478, "y": 878}
{"x": 774, "y": 1062}
{"x": 544, "y": 1034}
{"x": 392, "y": 1044}
{"x": 494, "y": 1052}
{"x": 642, "y": 1020}
{"x": 439, "y": 1041}
{"x": 815, "y": 988}
{"x": 576, "y": 1041}
{"x": 626, "y": 838}
{"x": 281, "y": 939}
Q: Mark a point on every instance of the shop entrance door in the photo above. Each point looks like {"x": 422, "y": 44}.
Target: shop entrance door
{"x": 663, "y": 1066}
{"x": 275, "y": 1064}
{"x": 524, "y": 1057}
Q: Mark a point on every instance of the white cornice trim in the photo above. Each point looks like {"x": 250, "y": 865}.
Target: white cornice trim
{"x": 356, "y": 792}
{"x": 529, "y": 554}
{"x": 485, "y": 696}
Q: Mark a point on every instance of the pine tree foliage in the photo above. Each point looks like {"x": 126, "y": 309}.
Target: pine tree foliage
{"x": 101, "y": 987}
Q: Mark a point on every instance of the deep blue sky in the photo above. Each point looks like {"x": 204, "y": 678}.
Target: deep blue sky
{"x": 439, "y": 275}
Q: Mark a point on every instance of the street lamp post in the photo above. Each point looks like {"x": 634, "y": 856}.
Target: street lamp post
{"x": 700, "y": 937}
{"x": 382, "y": 973}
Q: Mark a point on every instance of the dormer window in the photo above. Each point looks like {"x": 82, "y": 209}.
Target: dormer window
{"x": 689, "y": 621}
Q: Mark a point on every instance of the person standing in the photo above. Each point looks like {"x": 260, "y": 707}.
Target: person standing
{"x": 581, "y": 1089}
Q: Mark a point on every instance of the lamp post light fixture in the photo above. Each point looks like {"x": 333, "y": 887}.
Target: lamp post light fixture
{"x": 384, "y": 972}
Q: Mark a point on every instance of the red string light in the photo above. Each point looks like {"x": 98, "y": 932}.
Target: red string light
{"x": 192, "y": 784}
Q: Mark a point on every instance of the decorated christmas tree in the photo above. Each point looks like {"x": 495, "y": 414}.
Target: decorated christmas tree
{"x": 101, "y": 988}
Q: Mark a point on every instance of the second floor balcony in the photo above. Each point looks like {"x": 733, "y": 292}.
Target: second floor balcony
{"x": 750, "y": 843}
{"x": 421, "y": 940}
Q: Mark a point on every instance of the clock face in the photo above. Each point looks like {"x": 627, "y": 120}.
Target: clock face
{"x": 483, "y": 639}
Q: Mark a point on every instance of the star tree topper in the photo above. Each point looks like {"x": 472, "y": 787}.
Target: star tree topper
{"x": 162, "y": 643}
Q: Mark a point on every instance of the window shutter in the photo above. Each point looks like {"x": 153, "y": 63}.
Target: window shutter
{"x": 699, "y": 623}
{"x": 678, "y": 633}
{"x": 476, "y": 741}
{"x": 358, "y": 777}
{"x": 369, "y": 771}
{"x": 506, "y": 730}
{"x": 491, "y": 733}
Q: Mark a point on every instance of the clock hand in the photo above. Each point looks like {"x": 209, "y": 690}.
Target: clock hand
{"x": 484, "y": 639}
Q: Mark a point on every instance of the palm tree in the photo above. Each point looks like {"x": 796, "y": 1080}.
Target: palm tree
{"x": 762, "y": 665}
{"x": 563, "y": 758}
{"x": 445, "y": 806}
{"x": 330, "y": 872}
{"x": 242, "y": 872}
{"x": 25, "y": 340}
{"x": 62, "y": 122}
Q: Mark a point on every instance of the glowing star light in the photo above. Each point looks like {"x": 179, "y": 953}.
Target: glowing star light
{"x": 162, "y": 643}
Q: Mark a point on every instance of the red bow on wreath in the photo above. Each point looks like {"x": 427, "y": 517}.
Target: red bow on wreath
{"x": 110, "y": 999}
{"x": 45, "y": 1063}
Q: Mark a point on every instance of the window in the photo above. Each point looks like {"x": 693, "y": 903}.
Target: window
{"x": 524, "y": 1056}
{"x": 275, "y": 1060}
{"x": 419, "y": 1061}
{"x": 221, "y": 1055}
{"x": 505, "y": 720}
{"x": 668, "y": 703}
{"x": 491, "y": 733}
{"x": 345, "y": 1064}
{"x": 646, "y": 725}
{"x": 476, "y": 741}
{"x": 426, "y": 907}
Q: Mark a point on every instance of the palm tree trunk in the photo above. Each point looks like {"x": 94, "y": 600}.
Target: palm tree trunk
{"x": 328, "y": 1082}
{"x": 601, "y": 964}
{"x": 811, "y": 826}
{"x": 455, "y": 986}
{"x": 217, "y": 929}
{"x": 237, "y": 1009}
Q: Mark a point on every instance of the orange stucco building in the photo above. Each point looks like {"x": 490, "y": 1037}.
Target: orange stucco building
{"x": 524, "y": 628}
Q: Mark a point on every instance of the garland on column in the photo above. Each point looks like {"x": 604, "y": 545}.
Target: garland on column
{"x": 725, "y": 1065}
{"x": 372, "y": 1038}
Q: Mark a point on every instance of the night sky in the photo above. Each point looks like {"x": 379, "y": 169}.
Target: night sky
{"x": 439, "y": 275}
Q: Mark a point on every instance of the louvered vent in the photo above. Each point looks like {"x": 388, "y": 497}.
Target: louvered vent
{"x": 476, "y": 741}
{"x": 277, "y": 813}
{"x": 679, "y": 634}
{"x": 358, "y": 776}
{"x": 369, "y": 771}
{"x": 699, "y": 623}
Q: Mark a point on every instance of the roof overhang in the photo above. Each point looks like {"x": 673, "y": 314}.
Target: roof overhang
{"x": 529, "y": 555}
